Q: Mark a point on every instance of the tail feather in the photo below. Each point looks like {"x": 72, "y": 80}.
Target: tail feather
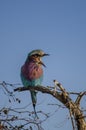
{"x": 34, "y": 101}
{"x": 34, "y": 106}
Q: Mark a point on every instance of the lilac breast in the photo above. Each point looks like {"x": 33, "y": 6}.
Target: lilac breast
{"x": 31, "y": 70}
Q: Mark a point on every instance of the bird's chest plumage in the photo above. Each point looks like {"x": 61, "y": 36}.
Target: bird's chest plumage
{"x": 31, "y": 71}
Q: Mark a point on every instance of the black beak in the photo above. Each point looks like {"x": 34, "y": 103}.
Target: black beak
{"x": 45, "y": 54}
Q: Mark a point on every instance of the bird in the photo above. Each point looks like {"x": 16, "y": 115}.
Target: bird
{"x": 32, "y": 73}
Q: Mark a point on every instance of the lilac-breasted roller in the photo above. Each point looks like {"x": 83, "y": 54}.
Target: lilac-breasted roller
{"x": 32, "y": 72}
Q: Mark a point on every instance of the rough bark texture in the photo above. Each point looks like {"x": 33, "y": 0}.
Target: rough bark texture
{"x": 64, "y": 98}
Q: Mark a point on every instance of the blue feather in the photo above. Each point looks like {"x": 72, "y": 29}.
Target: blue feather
{"x": 32, "y": 72}
{"x": 33, "y": 83}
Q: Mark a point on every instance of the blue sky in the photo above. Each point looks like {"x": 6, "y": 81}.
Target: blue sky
{"x": 56, "y": 26}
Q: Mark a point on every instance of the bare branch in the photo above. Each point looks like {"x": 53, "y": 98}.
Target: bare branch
{"x": 58, "y": 92}
{"x": 81, "y": 94}
{"x": 64, "y": 98}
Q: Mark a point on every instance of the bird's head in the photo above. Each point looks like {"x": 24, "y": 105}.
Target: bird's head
{"x": 36, "y": 56}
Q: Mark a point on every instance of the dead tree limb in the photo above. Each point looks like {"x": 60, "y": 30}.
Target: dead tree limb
{"x": 64, "y": 97}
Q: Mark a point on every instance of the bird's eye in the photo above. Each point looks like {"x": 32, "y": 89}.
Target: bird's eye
{"x": 36, "y": 55}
